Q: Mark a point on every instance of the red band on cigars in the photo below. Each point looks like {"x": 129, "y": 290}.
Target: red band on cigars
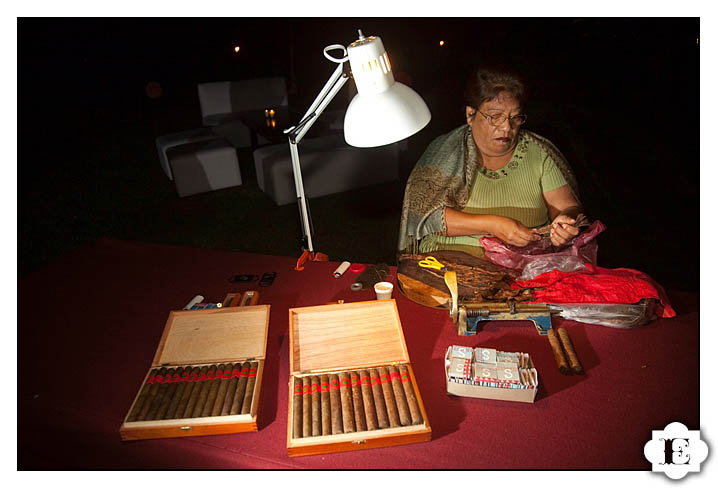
{"x": 151, "y": 379}
{"x": 210, "y": 375}
{"x": 345, "y": 382}
{"x": 385, "y": 379}
{"x": 324, "y": 388}
{"x": 202, "y": 376}
{"x": 305, "y": 389}
{"x": 227, "y": 374}
{"x": 334, "y": 384}
{"x": 160, "y": 379}
{"x": 252, "y": 373}
{"x": 314, "y": 388}
{"x": 355, "y": 380}
{"x": 395, "y": 375}
{"x": 185, "y": 376}
{"x": 375, "y": 380}
{"x": 244, "y": 371}
{"x": 236, "y": 373}
{"x": 193, "y": 377}
{"x": 366, "y": 381}
{"x": 298, "y": 390}
{"x": 404, "y": 377}
{"x": 176, "y": 378}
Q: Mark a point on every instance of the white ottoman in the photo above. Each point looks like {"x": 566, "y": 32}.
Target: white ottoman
{"x": 204, "y": 166}
{"x": 166, "y": 142}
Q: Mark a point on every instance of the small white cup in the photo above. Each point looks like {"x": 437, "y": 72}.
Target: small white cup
{"x": 383, "y": 290}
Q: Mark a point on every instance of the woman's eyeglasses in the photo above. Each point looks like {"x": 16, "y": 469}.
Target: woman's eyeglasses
{"x": 499, "y": 119}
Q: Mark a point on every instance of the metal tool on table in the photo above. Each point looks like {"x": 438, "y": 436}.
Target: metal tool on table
{"x": 467, "y": 315}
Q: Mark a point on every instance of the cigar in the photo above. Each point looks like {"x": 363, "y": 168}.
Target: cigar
{"x": 367, "y": 397}
{"x": 346, "y": 399}
{"x": 408, "y": 385}
{"x": 251, "y": 381}
{"x": 335, "y": 405}
{"x": 558, "y": 352}
{"x": 150, "y": 409}
{"x": 249, "y": 298}
{"x": 222, "y": 391}
{"x": 316, "y": 407}
{"x": 306, "y": 407}
{"x": 172, "y": 378}
{"x": 297, "y": 409}
{"x": 183, "y": 408}
{"x": 238, "y": 395}
{"x": 326, "y": 405}
{"x": 570, "y": 352}
{"x": 204, "y": 384}
{"x": 388, "y": 392}
{"x": 534, "y": 377}
{"x": 235, "y": 372}
{"x": 401, "y": 405}
{"x": 376, "y": 391}
{"x": 179, "y": 391}
{"x": 357, "y": 402}
{"x": 215, "y": 378}
{"x": 196, "y": 380}
{"x": 143, "y": 396}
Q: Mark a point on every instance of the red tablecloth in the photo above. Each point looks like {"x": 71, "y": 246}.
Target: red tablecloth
{"x": 89, "y": 324}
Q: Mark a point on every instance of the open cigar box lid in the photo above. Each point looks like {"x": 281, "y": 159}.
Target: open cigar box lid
{"x": 351, "y": 335}
{"x": 214, "y": 336}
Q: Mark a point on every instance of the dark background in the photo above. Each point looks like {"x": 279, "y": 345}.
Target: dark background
{"x": 619, "y": 97}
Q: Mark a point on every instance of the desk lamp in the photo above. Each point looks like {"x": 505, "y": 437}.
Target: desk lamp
{"x": 382, "y": 112}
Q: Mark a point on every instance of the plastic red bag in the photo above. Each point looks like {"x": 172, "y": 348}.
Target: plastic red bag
{"x": 542, "y": 255}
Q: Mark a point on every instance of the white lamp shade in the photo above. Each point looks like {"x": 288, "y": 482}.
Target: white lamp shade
{"x": 385, "y": 118}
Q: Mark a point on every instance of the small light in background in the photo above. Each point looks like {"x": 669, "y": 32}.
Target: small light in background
{"x": 441, "y": 43}
{"x": 236, "y": 49}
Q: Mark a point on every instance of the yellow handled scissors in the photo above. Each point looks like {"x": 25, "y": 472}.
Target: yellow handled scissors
{"x": 431, "y": 262}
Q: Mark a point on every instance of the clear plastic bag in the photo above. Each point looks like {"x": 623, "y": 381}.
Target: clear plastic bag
{"x": 612, "y": 315}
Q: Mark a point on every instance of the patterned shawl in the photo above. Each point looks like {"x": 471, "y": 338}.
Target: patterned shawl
{"x": 443, "y": 177}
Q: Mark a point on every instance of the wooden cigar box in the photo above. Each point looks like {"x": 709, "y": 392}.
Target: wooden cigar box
{"x": 207, "y": 337}
{"x": 497, "y": 389}
{"x": 335, "y": 338}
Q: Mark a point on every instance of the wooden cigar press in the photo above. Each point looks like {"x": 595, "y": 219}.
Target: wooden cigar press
{"x": 467, "y": 315}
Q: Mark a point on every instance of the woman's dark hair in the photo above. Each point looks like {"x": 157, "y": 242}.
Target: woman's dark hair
{"x": 486, "y": 84}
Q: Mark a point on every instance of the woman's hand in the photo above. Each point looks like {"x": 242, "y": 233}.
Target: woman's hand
{"x": 562, "y": 230}
{"x": 512, "y": 232}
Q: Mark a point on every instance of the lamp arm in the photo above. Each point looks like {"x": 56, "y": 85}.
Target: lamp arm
{"x": 296, "y": 133}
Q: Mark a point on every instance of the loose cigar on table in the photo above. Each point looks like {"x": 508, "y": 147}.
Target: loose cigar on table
{"x": 306, "y": 407}
{"x": 231, "y": 388}
{"x": 368, "y": 400}
{"x": 173, "y": 380}
{"x": 401, "y": 405}
{"x": 388, "y": 392}
{"x": 335, "y": 405}
{"x": 357, "y": 402}
{"x": 215, "y": 377}
{"x": 382, "y": 417}
{"x": 249, "y": 394}
{"x": 222, "y": 390}
{"x": 408, "y": 385}
{"x": 558, "y": 352}
{"x": 326, "y": 405}
{"x": 345, "y": 393}
{"x": 316, "y": 407}
{"x": 182, "y": 411}
{"x": 570, "y": 351}
{"x": 238, "y": 395}
{"x": 178, "y": 393}
{"x": 297, "y": 409}
{"x": 143, "y": 396}
{"x": 205, "y": 384}
{"x": 150, "y": 409}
